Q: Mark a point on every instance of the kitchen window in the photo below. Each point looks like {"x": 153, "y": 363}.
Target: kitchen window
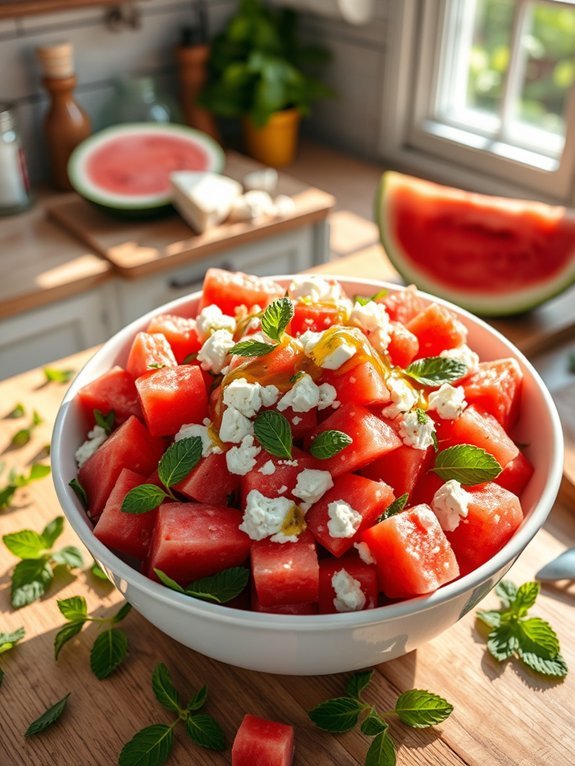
{"x": 487, "y": 92}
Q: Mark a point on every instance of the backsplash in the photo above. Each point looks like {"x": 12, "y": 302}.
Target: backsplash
{"x": 350, "y": 121}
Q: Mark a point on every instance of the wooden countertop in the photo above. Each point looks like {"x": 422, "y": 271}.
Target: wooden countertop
{"x": 503, "y": 716}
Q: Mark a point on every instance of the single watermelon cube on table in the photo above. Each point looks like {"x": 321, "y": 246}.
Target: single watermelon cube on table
{"x": 180, "y": 332}
{"x": 356, "y": 589}
{"x": 114, "y": 391}
{"x": 172, "y": 397}
{"x": 285, "y": 573}
{"x": 260, "y": 742}
{"x": 149, "y": 352}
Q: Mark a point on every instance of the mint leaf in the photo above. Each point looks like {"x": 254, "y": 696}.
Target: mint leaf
{"x": 363, "y": 300}
{"x": 373, "y": 724}
{"x": 329, "y": 443}
{"x": 556, "y": 667}
{"x": 205, "y": 731}
{"x": 6, "y": 495}
{"x": 394, "y": 508}
{"x": 9, "y": 640}
{"x": 336, "y": 715}
{"x": 52, "y": 531}
{"x": 381, "y": 751}
{"x": 537, "y": 637}
{"x": 65, "y": 634}
{"x": 21, "y": 437}
{"x": 198, "y": 700}
{"x": 419, "y": 708}
{"x": 48, "y": 718}
{"x": 143, "y": 499}
{"x": 168, "y": 582}
{"x": 525, "y": 598}
{"x": 98, "y": 572}
{"x": 149, "y": 747}
{"x": 17, "y": 412}
{"x": 107, "y": 421}
{"x": 489, "y": 617}
{"x": 108, "y": 652}
{"x": 80, "y": 493}
{"x": 179, "y": 459}
{"x": 435, "y": 370}
{"x": 164, "y": 690}
{"x": 502, "y": 642}
{"x": 251, "y": 348}
{"x": 466, "y": 464}
{"x": 273, "y": 432}
{"x": 30, "y": 579}
{"x": 221, "y": 587}
{"x": 25, "y": 544}
{"x": 73, "y": 608}
{"x": 358, "y": 682}
{"x": 54, "y": 375}
{"x": 276, "y": 318}
{"x": 507, "y": 592}
{"x": 69, "y": 556}
{"x": 37, "y": 471}
{"x": 122, "y": 613}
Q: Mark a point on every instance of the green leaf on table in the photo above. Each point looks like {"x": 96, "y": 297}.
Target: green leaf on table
{"x": 9, "y": 640}
{"x": 381, "y": 751}
{"x": 536, "y": 636}
{"x": 53, "y": 530}
{"x": 98, "y": 572}
{"x": 502, "y": 642}
{"x": 21, "y": 437}
{"x": 221, "y": 587}
{"x": 122, "y": 613}
{"x": 435, "y": 370}
{"x": 26, "y": 544}
{"x": 69, "y": 556}
{"x": 30, "y": 579}
{"x": 329, "y": 443}
{"x": 336, "y": 715}
{"x": 358, "y": 682}
{"x": 80, "y": 492}
{"x": 179, "y": 459}
{"x": 108, "y": 652}
{"x": 273, "y": 432}
{"x": 37, "y": 471}
{"x": 198, "y": 700}
{"x": 6, "y": 495}
{"x": 74, "y": 608}
{"x": 205, "y": 731}
{"x": 276, "y": 318}
{"x": 65, "y": 634}
{"x": 489, "y": 617}
{"x": 506, "y": 591}
{"x": 149, "y": 747}
{"x": 168, "y": 582}
{"x": 55, "y": 375}
{"x": 143, "y": 499}
{"x": 525, "y": 598}
{"x": 556, "y": 667}
{"x": 48, "y": 718}
{"x": 419, "y": 708}
{"x": 18, "y": 411}
{"x": 394, "y": 508}
{"x": 251, "y": 348}
{"x": 107, "y": 421}
{"x": 373, "y": 724}
{"x": 466, "y": 464}
{"x": 164, "y": 690}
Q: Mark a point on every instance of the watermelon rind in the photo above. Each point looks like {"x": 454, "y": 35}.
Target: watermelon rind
{"x": 121, "y": 202}
{"x": 483, "y": 303}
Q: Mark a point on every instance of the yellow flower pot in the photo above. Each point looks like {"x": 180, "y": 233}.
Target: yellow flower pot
{"x": 275, "y": 143}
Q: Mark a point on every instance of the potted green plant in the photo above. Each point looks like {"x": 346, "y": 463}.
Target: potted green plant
{"x": 259, "y": 72}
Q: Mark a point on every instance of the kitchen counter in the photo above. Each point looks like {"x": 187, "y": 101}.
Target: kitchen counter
{"x": 503, "y": 716}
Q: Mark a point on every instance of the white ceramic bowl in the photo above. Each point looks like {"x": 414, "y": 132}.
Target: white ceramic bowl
{"x": 316, "y": 644}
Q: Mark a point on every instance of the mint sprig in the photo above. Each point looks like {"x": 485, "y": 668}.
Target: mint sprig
{"x": 363, "y": 300}
{"x": 56, "y": 375}
{"x": 251, "y": 348}
{"x": 394, "y": 508}
{"x": 273, "y": 431}
{"x": 329, "y": 443}
{"x": 276, "y": 318}
{"x": 466, "y": 464}
{"x": 48, "y": 718}
{"x": 416, "y": 708}
{"x": 218, "y": 588}
{"x": 435, "y": 370}
{"x": 16, "y": 480}
{"x": 152, "y": 745}
{"x": 9, "y": 640}
{"x": 23, "y": 436}
{"x": 106, "y": 421}
{"x": 514, "y": 635}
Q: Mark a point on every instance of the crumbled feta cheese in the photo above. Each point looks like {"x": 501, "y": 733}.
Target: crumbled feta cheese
{"x": 403, "y": 397}
{"x": 284, "y": 206}
{"x": 309, "y": 340}
{"x": 464, "y": 355}
{"x": 212, "y": 355}
{"x": 240, "y": 460}
{"x": 344, "y": 520}
{"x": 417, "y": 429}
{"x": 282, "y": 489}
{"x": 451, "y": 504}
{"x": 302, "y": 397}
{"x": 339, "y": 356}
{"x": 312, "y": 484}
{"x": 364, "y": 553}
{"x": 261, "y": 180}
{"x": 270, "y": 395}
{"x": 234, "y": 426}
{"x": 316, "y": 288}
{"x": 268, "y": 468}
{"x": 210, "y": 319}
{"x": 193, "y": 429}
{"x": 243, "y": 396}
{"x": 380, "y": 339}
{"x": 264, "y": 516}
{"x": 369, "y": 317}
{"x": 96, "y": 437}
{"x": 293, "y": 463}
{"x": 448, "y": 401}
{"x": 327, "y": 396}
{"x": 349, "y": 596}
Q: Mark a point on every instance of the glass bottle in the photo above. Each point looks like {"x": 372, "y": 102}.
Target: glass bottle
{"x": 137, "y": 99}
{"x": 14, "y": 185}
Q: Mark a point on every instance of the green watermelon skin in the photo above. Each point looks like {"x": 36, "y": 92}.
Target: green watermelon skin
{"x": 491, "y": 255}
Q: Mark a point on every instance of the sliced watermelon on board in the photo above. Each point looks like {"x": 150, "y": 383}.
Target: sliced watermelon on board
{"x": 492, "y": 255}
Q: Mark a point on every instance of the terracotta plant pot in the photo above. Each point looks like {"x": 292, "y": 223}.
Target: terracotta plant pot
{"x": 275, "y": 143}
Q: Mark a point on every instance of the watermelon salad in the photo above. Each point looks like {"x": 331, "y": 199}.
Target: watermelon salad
{"x": 303, "y": 451}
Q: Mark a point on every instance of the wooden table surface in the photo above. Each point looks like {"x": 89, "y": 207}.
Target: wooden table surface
{"x": 503, "y": 716}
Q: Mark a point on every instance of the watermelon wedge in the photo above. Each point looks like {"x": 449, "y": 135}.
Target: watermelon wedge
{"x": 491, "y": 255}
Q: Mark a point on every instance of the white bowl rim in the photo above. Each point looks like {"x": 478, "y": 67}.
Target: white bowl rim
{"x": 322, "y": 622}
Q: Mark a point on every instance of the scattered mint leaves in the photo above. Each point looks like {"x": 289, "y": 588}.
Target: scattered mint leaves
{"x": 108, "y": 652}
{"x": 276, "y": 318}
{"x": 25, "y": 544}
{"x": 466, "y": 464}
{"x": 17, "y": 480}
{"x": 23, "y": 436}
{"x": 48, "y": 718}
{"x": 416, "y": 708}
{"x": 435, "y": 370}
{"x": 394, "y": 508}
{"x": 55, "y": 375}
{"x": 106, "y": 421}
{"x": 152, "y": 745}
{"x": 98, "y": 572}
{"x": 329, "y": 443}
{"x": 9, "y": 640}
{"x": 514, "y": 635}
{"x": 18, "y": 411}
{"x": 273, "y": 432}
{"x": 30, "y": 580}
{"x": 219, "y": 588}
{"x": 251, "y": 348}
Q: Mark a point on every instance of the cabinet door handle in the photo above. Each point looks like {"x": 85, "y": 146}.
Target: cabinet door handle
{"x": 185, "y": 283}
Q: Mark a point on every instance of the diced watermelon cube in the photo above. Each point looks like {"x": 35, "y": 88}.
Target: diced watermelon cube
{"x": 412, "y": 553}
{"x": 496, "y": 388}
{"x": 362, "y": 384}
{"x": 115, "y": 391}
{"x": 180, "y": 332}
{"x": 191, "y": 540}
{"x": 402, "y": 468}
{"x": 259, "y": 742}
{"x": 314, "y": 317}
{"x": 516, "y": 474}
{"x": 210, "y": 482}
{"x": 365, "y": 497}
{"x": 403, "y": 305}
{"x": 129, "y": 533}
{"x": 278, "y": 474}
{"x": 285, "y": 573}
{"x": 129, "y": 446}
{"x": 255, "y": 606}
{"x": 172, "y": 397}
{"x": 365, "y": 574}
{"x": 229, "y": 290}
{"x": 403, "y": 345}
{"x": 148, "y": 352}
{"x": 480, "y": 429}
{"x": 436, "y": 329}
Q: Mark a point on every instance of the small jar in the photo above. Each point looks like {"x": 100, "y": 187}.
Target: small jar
{"x": 137, "y": 99}
{"x": 14, "y": 184}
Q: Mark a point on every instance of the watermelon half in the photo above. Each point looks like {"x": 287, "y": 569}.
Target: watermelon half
{"x": 126, "y": 168}
{"x": 491, "y": 255}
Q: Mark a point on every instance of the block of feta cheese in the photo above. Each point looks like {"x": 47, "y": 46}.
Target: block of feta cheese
{"x": 203, "y": 199}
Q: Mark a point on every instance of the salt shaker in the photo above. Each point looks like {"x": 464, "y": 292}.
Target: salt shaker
{"x": 14, "y": 185}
